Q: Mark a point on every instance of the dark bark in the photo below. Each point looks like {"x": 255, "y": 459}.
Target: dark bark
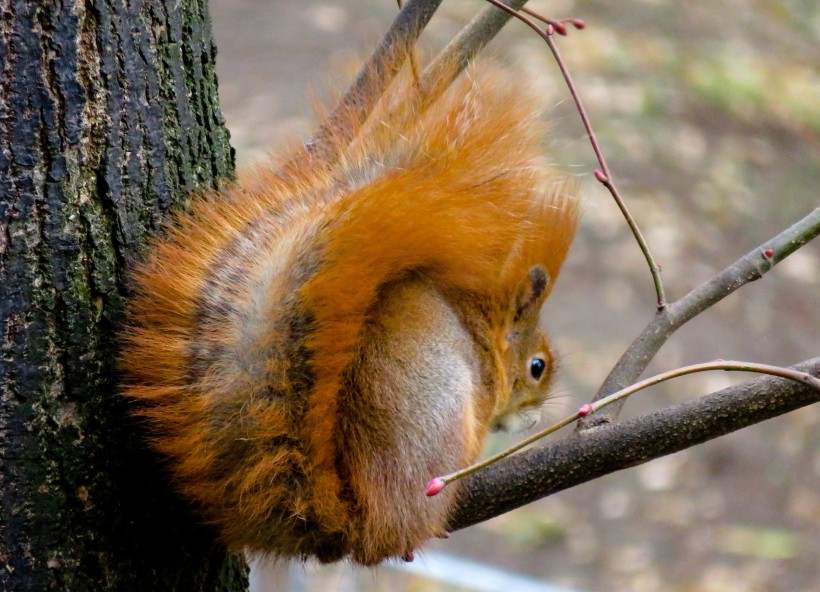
{"x": 108, "y": 116}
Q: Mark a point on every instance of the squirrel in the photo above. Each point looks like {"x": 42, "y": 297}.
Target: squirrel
{"x": 312, "y": 344}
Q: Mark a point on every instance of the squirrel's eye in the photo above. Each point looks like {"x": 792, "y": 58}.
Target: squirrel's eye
{"x": 537, "y": 367}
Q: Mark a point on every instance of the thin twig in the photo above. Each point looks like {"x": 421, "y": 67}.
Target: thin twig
{"x": 568, "y": 462}
{"x": 752, "y": 266}
{"x": 604, "y": 176}
{"x": 437, "y": 484}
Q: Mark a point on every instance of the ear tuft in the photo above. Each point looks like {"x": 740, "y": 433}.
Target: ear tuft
{"x": 531, "y": 293}
{"x": 539, "y": 279}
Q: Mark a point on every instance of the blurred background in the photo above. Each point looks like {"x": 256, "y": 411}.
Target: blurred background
{"x": 709, "y": 113}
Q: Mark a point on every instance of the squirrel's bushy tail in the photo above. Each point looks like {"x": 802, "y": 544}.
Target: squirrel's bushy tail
{"x": 273, "y": 279}
{"x": 460, "y": 194}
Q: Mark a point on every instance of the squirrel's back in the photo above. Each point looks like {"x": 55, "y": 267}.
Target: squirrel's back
{"x": 312, "y": 347}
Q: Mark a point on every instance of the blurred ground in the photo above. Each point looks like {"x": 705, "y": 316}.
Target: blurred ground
{"x": 709, "y": 113}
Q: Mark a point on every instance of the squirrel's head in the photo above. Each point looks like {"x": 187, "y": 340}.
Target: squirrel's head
{"x": 526, "y": 357}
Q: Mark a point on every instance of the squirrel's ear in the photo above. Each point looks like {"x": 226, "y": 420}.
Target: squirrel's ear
{"x": 531, "y": 292}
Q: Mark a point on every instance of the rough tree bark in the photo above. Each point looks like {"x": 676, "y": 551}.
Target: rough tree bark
{"x": 108, "y": 116}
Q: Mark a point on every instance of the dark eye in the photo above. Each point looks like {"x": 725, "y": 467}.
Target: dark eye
{"x": 537, "y": 367}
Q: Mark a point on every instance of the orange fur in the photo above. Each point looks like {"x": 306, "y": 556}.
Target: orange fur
{"x": 265, "y": 337}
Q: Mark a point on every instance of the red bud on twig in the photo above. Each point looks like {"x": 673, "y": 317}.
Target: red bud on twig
{"x": 435, "y": 486}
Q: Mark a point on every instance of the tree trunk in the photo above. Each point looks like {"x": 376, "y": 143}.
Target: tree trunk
{"x": 108, "y": 116}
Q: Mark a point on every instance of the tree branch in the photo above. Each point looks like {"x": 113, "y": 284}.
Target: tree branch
{"x": 347, "y": 118}
{"x": 748, "y": 268}
{"x": 585, "y": 456}
{"x": 464, "y": 47}
{"x": 342, "y": 125}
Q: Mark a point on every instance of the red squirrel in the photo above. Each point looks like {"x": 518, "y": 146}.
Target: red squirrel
{"x": 313, "y": 344}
